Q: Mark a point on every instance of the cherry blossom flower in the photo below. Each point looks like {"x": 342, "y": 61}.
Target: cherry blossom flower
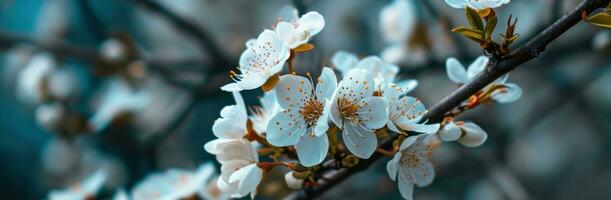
{"x": 411, "y": 165}
{"x": 304, "y": 119}
{"x": 260, "y": 61}
{"x": 240, "y": 174}
{"x": 299, "y": 31}
{"x": 118, "y": 98}
{"x": 397, "y": 21}
{"x": 357, "y": 112}
{"x": 231, "y": 125}
{"x": 405, "y": 112}
{"x": 477, "y": 4}
{"x": 382, "y": 71}
{"x": 468, "y": 134}
{"x": 174, "y": 184}
{"x": 85, "y": 189}
{"x": 120, "y": 195}
{"x": 508, "y": 92}
{"x": 261, "y": 115}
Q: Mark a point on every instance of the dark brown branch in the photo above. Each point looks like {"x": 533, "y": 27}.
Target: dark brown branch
{"x": 495, "y": 69}
{"x": 191, "y": 29}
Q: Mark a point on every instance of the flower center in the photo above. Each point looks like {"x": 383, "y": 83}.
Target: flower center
{"x": 348, "y": 110}
{"x": 410, "y": 159}
{"x": 311, "y": 111}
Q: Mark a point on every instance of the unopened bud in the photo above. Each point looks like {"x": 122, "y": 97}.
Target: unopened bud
{"x": 292, "y": 181}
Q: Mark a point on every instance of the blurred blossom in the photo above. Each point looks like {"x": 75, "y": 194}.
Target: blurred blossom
{"x": 64, "y": 84}
{"x": 59, "y": 157}
{"x": 120, "y": 195}
{"x": 53, "y": 19}
{"x": 398, "y": 20}
{"x": 163, "y": 103}
{"x": 50, "y": 115}
{"x": 476, "y": 4}
{"x": 14, "y": 60}
{"x": 113, "y": 50}
{"x": 177, "y": 184}
{"x": 602, "y": 40}
{"x": 118, "y": 98}
{"x": 82, "y": 189}
{"x": 31, "y": 81}
{"x": 528, "y": 157}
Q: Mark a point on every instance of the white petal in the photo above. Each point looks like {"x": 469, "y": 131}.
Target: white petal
{"x": 344, "y": 61}
{"x": 511, "y": 93}
{"x": 474, "y": 135}
{"x": 424, "y": 172}
{"x": 450, "y": 132}
{"x": 456, "y": 72}
{"x": 285, "y": 31}
{"x": 373, "y": 113}
{"x": 427, "y": 128}
{"x": 457, "y": 3}
{"x": 334, "y": 111}
{"x": 322, "y": 124}
{"x": 392, "y": 166}
{"x": 392, "y": 127}
{"x": 409, "y": 141}
{"x": 326, "y": 84}
{"x": 405, "y": 187}
{"x": 285, "y": 128}
{"x": 360, "y": 141}
{"x": 357, "y": 85}
{"x": 407, "y": 85}
{"x": 293, "y": 91}
{"x": 212, "y": 146}
{"x": 312, "y": 149}
{"x": 231, "y": 87}
{"x": 477, "y": 66}
{"x": 313, "y": 22}
{"x": 235, "y": 150}
{"x": 249, "y": 183}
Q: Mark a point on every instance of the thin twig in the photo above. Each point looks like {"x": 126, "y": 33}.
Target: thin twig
{"x": 220, "y": 60}
{"x": 495, "y": 69}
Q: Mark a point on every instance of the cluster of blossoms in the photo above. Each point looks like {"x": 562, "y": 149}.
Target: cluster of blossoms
{"x": 301, "y": 119}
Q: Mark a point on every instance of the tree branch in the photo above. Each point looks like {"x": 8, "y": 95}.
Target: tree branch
{"x": 191, "y": 29}
{"x": 495, "y": 69}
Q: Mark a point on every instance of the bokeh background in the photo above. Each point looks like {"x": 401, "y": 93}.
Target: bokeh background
{"x": 156, "y": 112}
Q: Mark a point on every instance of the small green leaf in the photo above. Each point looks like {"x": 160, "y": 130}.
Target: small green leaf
{"x": 469, "y": 33}
{"x": 490, "y": 26}
{"x": 601, "y": 19}
{"x": 474, "y": 19}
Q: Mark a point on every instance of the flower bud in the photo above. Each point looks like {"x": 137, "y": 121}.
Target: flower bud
{"x": 292, "y": 181}
{"x": 473, "y": 135}
{"x": 113, "y": 50}
{"x": 63, "y": 84}
{"x": 450, "y": 132}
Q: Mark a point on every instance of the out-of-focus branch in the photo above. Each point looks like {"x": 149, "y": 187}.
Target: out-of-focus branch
{"x": 495, "y": 69}
{"x": 88, "y": 54}
{"x": 220, "y": 60}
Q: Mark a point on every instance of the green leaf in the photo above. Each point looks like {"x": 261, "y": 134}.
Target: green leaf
{"x": 474, "y": 35}
{"x": 490, "y": 26}
{"x": 474, "y": 19}
{"x": 601, "y": 19}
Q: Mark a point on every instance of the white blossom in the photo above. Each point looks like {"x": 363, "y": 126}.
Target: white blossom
{"x": 231, "y": 126}
{"x": 411, "y": 166}
{"x": 261, "y": 115}
{"x": 300, "y": 31}
{"x": 357, "y": 112}
{"x": 508, "y": 92}
{"x": 50, "y": 115}
{"x": 118, "y": 98}
{"x": 468, "y": 134}
{"x": 304, "y": 119}
{"x": 240, "y": 174}
{"x": 174, "y": 184}
{"x": 31, "y": 78}
{"x": 84, "y": 189}
{"x": 406, "y": 112}
{"x": 398, "y": 20}
{"x": 260, "y": 61}
{"x": 293, "y": 182}
{"x": 477, "y": 4}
